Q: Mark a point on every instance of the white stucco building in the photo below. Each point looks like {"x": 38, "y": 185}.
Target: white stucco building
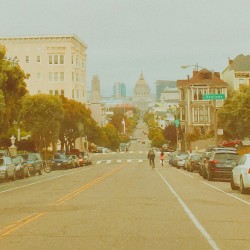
{"x": 237, "y": 72}
{"x": 56, "y": 63}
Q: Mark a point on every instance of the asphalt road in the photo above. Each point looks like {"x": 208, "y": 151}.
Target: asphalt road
{"x": 121, "y": 203}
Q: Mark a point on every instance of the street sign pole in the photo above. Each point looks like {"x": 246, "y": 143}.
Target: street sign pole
{"x": 214, "y": 97}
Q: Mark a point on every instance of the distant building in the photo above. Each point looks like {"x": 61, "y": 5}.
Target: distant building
{"x": 119, "y": 90}
{"x": 161, "y": 85}
{"x": 171, "y": 96}
{"x": 142, "y": 97}
{"x": 237, "y": 73}
{"x": 56, "y": 64}
{"x": 96, "y": 92}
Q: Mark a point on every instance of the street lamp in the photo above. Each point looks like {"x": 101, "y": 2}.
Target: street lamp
{"x": 192, "y": 65}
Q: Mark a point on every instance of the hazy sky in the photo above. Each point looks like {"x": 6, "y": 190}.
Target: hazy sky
{"x": 125, "y": 37}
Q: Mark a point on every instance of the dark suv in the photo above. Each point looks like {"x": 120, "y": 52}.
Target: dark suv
{"x": 220, "y": 164}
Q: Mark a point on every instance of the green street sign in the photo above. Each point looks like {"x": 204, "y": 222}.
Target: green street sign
{"x": 176, "y": 122}
{"x": 214, "y": 97}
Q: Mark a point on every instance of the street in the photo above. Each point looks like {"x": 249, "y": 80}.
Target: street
{"x": 121, "y": 203}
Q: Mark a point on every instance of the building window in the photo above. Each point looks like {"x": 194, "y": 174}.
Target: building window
{"x": 62, "y": 92}
{"x": 38, "y": 59}
{"x": 55, "y": 59}
{"x": 27, "y": 59}
{"x": 50, "y": 77}
{"x": 51, "y": 92}
{"x": 38, "y": 76}
{"x": 56, "y": 76}
{"x": 182, "y": 94}
{"x": 61, "y": 59}
{"x": 50, "y": 59}
{"x": 73, "y": 77}
{"x": 195, "y": 115}
{"x": 77, "y": 93}
{"x": 73, "y": 93}
{"x": 72, "y": 59}
{"x": 56, "y": 92}
{"x": 183, "y": 114}
{"x": 39, "y": 91}
{"x": 61, "y": 76}
{"x": 195, "y": 95}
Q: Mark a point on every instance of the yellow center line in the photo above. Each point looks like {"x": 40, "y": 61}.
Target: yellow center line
{"x": 20, "y": 223}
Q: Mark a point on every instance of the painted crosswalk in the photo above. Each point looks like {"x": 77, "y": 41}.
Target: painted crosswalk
{"x": 120, "y": 161}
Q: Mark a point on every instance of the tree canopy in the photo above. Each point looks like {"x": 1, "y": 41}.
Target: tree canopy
{"x": 234, "y": 116}
{"x": 42, "y": 115}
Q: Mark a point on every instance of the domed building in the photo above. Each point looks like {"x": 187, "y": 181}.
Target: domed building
{"x": 142, "y": 97}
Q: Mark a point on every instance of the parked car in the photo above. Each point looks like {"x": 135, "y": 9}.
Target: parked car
{"x": 7, "y": 169}
{"x": 123, "y": 147}
{"x": 72, "y": 161}
{"x": 98, "y": 150}
{"x": 180, "y": 160}
{"x": 75, "y": 159}
{"x": 220, "y": 165}
{"x": 193, "y": 162}
{"x": 22, "y": 167}
{"x": 232, "y": 143}
{"x": 86, "y": 158}
{"x": 204, "y": 160}
{"x": 61, "y": 161}
{"x": 35, "y": 163}
{"x": 240, "y": 178}
{"x": 4, "y": 152}
{"x": 177, "y": 155}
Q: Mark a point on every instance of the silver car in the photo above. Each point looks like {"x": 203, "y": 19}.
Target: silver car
{"x": 7, "y": 169}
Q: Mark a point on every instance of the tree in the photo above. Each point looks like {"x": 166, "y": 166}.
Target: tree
{"x": 76, "y": 123}
{"x": 112, "y": 135}
{"x": 234, "y": 116}
{"x": 12, "y": 90}
{"x": 42, "y": 115}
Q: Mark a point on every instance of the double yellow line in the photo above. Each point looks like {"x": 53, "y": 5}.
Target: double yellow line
{"x": 18, "y": 224}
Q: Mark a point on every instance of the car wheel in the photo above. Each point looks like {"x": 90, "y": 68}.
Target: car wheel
{"x": 232, "y": 184}
{"x": 200, "y": 172}
{"x": 14, "y": 176}
{"x": 209, "y": 176}
{"x": 242, "y": 188}
{"x": 204, "y": 173}
{"x": 40, "y": 171}
{"x": 22, "y": 174}
{"x": 28, "y": 173}
{"x": 6, "y": 176}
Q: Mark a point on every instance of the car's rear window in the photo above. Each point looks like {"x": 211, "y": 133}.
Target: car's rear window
{"x": 226, "y": 156}
{"x": 196, "y": 157}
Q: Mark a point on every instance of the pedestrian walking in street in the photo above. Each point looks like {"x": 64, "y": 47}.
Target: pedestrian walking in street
{"x": 151, "y": 157}
{"x": 162, "y": 157}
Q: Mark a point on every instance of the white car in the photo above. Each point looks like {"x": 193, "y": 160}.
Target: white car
{"x": 240, "y": 178}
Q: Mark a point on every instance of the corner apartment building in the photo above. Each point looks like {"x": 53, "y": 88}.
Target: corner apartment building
{"x": 56, "y": 64}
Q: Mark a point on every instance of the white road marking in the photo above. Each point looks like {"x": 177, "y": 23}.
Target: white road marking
{"x": 140, "y": 160}
{"x": 129, "y": 160}
{"x": 231, "y": 195}
{"x": 196, "y": 222}
{"x": 119, "y": 160}
{"x": 98, "y": 162}
{"x": 185, "y": 173}
{"x": 108, "y": 161}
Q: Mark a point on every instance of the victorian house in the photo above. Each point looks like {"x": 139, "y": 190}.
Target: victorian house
{"x": 195, "y": 110}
